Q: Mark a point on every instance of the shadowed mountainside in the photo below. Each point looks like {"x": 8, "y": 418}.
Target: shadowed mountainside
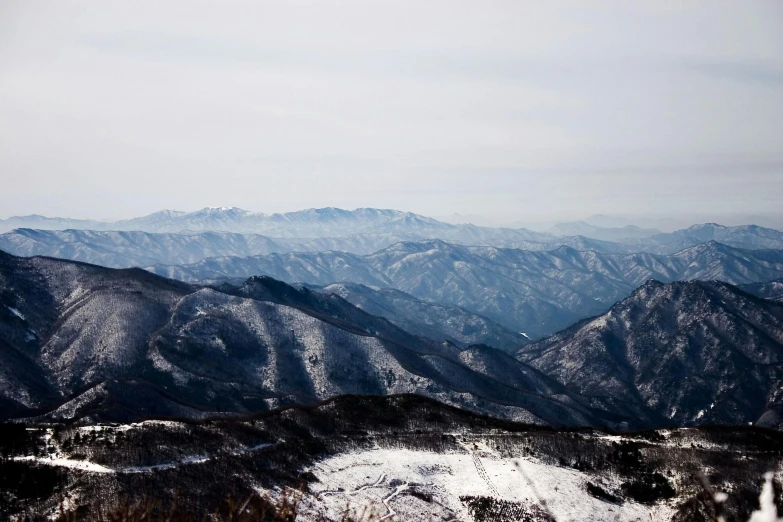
{"x": 694, "y": 352}
{"x": 79, "y": 341}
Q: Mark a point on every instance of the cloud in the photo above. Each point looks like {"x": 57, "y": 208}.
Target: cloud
{"x": 440, "y": 106}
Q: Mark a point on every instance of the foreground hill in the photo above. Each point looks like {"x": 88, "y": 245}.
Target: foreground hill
{"x": 399, "y": 458}
{"x": 537, "y": 293}
{"x": 79, "y": 341}
{"x": 696, "y": 352}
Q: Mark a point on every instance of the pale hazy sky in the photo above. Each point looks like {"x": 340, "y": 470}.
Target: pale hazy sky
{"x": 522, "y": 109}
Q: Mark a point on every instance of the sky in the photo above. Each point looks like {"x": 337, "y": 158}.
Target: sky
{"x": 514, "y": 110}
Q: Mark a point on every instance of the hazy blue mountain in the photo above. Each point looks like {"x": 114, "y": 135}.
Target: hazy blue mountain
{"x": 77, "y": 339}
{"x": 581, "y": 228}
{"x": 537, "y": 293}
{"x": 663, "y": 224}
{"x": 688, "y": 353}
{"x": 747, "y": 236}
{"x": 47, "y": 223}
{"x": 311, "y": 223}
{"x": 124, "y": 249}
{"x": 155, "y": 239}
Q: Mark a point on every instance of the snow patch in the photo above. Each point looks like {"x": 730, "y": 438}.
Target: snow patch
{"x": 447, "y": 476}
{"x": 16, "y": 312}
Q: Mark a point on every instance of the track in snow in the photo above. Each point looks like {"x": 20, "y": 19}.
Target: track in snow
{"x": 388, "y": 499}
{"x": 361, "y": 488}
{"x": 482, "y": 471}
{"x": 483, "y": 474}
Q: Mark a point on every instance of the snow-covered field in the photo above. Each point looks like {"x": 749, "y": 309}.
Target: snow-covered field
{"x": 419, "y": 485}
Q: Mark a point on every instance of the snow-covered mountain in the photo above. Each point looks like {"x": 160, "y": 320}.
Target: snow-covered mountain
{"x": 686, "y": 353}
{"x": 537, "y": 293}
{"x": 750, "y": 237}
{"x": 125, "y": 249}
{"x": 85, "y": 342}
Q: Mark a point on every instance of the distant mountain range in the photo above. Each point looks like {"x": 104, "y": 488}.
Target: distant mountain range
{"x": 79, "y": 341}
{"x": 359, "y": 231}
{"x": 695, "y": 352}
{"x": 537, "y": 293}
{"x": 581, "y": 228}
{"x": 311, "y": 223}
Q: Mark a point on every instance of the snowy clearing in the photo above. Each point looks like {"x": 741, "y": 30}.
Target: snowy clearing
{"x": 420, "y": 485}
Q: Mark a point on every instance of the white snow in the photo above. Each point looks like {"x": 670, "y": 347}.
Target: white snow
{"x": 768, "y": 512}
{"x": 16, "y": 312}
{"x": 347, "y": 479}
{"x": 84, "y": 465}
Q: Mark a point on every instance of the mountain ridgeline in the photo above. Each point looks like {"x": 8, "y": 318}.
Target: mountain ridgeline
{"x": 162, "y": 237}
{"x": 81, "y": 342}
{"x": 535, "y": 293}
{"x": 87, "y": 343}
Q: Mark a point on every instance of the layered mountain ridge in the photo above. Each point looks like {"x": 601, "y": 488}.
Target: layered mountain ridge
{"x": 85, "y": 342}
{"x": 536, "y": 293}
{"x": 81, "y": 342}
{"x": 365, "y": 230}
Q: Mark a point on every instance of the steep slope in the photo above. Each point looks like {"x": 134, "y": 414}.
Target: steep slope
{"x": 431, "y": 320}
{"x": 537, "y": 293}
{"x": 690, "y": 353}
{"x": 81, "y": 341}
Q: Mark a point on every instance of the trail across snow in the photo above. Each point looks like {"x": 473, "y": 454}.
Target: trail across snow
{"x": 482, "y": 472}
{"x": 387, "y": 500}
